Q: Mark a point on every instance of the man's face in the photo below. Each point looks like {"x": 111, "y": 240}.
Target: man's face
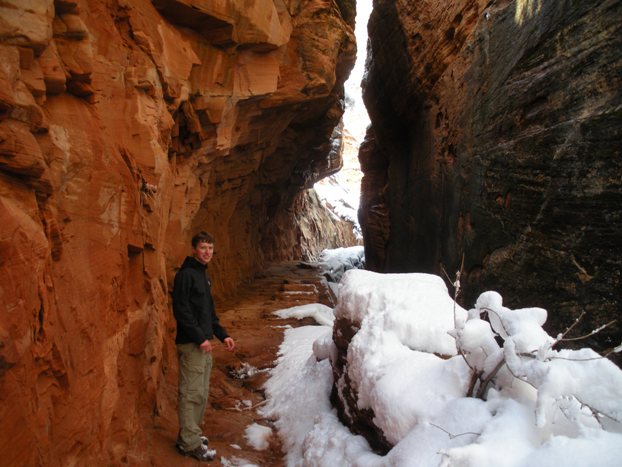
{"x": 203, "y": 252}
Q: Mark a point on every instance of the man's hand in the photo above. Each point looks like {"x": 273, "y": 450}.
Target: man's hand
{"x": 206, "y": 346}
{"x": 229, "y": 343}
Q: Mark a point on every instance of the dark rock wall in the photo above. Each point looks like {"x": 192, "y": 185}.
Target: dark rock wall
{"x": 496, "y": 127}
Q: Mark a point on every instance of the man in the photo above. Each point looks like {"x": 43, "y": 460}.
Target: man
{"x": 197, "y": 324}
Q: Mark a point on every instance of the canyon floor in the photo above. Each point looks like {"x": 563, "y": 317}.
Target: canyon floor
{"x": 236, "y": 395}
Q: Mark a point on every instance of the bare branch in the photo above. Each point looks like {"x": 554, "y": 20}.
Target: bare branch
{"x": 597, "y": 414}
{"x": 243, "y": 409}
{"x": 616, "y": 349}
{"x": 489, "y": 377}
{"x": 475, "y": 377}
{"x": 489, "y": 311}
{"x": 446, "y": 275}
{"x": 600, "y": 357}
{"x": 462, "y": 264}
{"x": 451, "y": 435}
{"x": 597, "y": 330}
{"x": 561, "y": 337}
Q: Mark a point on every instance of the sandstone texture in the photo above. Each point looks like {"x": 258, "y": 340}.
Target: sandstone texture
{"x": 125, "y": 127}
{"x": 495, "y": 148}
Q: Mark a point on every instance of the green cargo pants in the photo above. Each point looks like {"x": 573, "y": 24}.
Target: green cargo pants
{"x": 195, "y": 367}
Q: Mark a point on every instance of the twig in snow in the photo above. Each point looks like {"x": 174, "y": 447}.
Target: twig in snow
{"x": 489, "y": 311}
{"x": 597, "y": 330}
{"x": 451, "y": 435}
{"x": 596, "y": 413}
{"x": 561, "y": 336}
{"x": 489, "y": 377}
{"x": 475, "y": 376}
{"x": 242, "y": 409}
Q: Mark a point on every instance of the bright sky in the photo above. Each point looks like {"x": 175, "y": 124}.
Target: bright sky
{"x": 355, "y": 117}
{"x": 342, "y": 190}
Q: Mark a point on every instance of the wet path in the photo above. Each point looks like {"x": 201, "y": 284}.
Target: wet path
{"x": 237, "y": 378}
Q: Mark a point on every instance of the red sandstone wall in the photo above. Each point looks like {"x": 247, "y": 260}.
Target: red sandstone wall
{"x": 125, "y": 126}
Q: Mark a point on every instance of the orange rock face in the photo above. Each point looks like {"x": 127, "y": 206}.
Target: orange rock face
{"x": 126, "y": 126}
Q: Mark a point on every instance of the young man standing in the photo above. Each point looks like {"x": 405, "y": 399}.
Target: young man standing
{"x": 197, "y": 324}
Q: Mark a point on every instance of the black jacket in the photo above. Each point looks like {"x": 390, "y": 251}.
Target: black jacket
{"x": 193, "y": 305}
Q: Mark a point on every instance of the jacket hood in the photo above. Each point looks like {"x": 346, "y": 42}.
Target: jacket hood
{"x": 192, "y": 262}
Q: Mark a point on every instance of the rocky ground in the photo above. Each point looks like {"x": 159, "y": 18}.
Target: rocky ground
{"x": 235, "y": 396}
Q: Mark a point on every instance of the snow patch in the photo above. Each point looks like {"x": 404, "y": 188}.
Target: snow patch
{"x": 412, "y": 362}
{"x": 258, "y": 436}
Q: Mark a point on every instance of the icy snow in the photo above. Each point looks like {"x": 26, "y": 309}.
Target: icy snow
{"x": 321, "y": 313}
{"x": 258, "y": 436}
{"x": 545, "y": 408}
{"x": 341, "y": 201}
{"x": 337, "y": 261}
{"x": 401, "y": 303}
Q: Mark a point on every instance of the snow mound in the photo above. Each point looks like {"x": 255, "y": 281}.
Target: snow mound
{"x": 416, "y": 308}
{"x": 448, "y": 387}
{"x": 322, "y": 314}
{"x": 336, "y": 262}
{"x": 258, "y": 436}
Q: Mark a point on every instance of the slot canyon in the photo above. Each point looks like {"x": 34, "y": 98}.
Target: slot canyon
{"x": 126, "y": 126}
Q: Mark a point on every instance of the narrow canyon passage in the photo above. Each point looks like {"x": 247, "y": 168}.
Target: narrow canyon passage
{"x": 492, "y": 148}
{"x": 236, "y": 393}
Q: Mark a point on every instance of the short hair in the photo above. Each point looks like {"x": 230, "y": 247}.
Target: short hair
{"x": 202, "y": 237}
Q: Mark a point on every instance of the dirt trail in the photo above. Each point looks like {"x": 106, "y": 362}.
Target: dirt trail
{"x": 234, "y": 401}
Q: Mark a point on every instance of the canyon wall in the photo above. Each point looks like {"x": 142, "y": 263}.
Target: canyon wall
{"x": 125, "y": 127}
{"x": 495, "y": 149}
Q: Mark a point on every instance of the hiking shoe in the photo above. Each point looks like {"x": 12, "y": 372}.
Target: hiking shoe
{"x": 202, "y": 453}
{"x": 204, "y": 442}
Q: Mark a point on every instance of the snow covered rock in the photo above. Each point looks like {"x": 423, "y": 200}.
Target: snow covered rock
{"x": 387, "y": 324}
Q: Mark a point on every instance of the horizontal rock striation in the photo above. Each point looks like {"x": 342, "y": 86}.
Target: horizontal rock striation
{"x": 495, "y": 147}
{"x": 126, "y": 126}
